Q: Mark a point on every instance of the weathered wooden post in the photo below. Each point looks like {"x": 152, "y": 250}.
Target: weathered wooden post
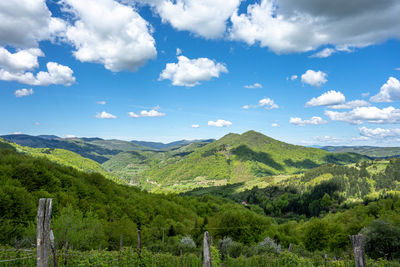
{"x": 206, "y": 250}
{"x": 358, "y": 246}
{"x": 290, "y": 247}
{"x": 43, "y": 231}
{"x": 53, "y": 248}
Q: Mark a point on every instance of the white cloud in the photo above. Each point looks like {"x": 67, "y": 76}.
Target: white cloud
{"x": 255, "y": 85}
{"x": 326, "y": 139}
{"x": 286, "y": 26}
{"x": 379, "y": 133}
{"x": 178, "y": 51}
{"x": 195, "y": 126}
{"x": 314, "y": 78}
{"x": 389, "y": 92}
{"x": 327, "y": 99}
{"x": 313, "y": 121}
{"x": 56, "y": 74}
{"x": 267, "y": 103}
{"x": 70, "y": 136}
{"x": 101, "y": 102}
{"x": 365, "y": 94}
{"x": 293, "y": 77}
{"x": 23, "y": 92}
{"x": 274, "y": 124}
{"x": 109, "y": 33}
{"x": 397, "y": 69}
{"x": 206, "y": 18}
{"x": 324, "y": 53}
{"x": 36, "y": 123}
{"x": 105, "y": 115}
{"x": 189, "y": 72}
{"x": 366, "y": 114}
{"x": 351, "y": 104}
{"x": 220, "y": 123}
{"x": 146, "y": 113}
{"x": 21, "y": 60}
{"x": 17, "y": 133}
{"x": 24, "y": 23}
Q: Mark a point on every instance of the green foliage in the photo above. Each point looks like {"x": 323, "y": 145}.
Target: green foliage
{"x": 238, "y": 158}
{"x": 382, "y": 240}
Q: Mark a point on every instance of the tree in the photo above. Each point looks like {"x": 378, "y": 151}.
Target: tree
{"x": 382, "y": 240}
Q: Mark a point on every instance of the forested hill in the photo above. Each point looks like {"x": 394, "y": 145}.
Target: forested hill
{"x": 237, "y": 158}
{"x": 370, "y": 151}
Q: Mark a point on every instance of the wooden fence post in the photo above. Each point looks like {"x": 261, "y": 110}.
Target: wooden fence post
{"x": 53, "y": 248}
{"x": 43, "y": 231}
{"x": 358, "y": 246}
{"x": 206, "y": 250}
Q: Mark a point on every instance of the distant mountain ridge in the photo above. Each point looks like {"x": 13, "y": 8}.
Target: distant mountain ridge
{"x": 370, "y": 151}
{"x": 179, "y": 143}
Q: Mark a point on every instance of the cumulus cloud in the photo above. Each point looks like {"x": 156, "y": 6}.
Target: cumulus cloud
{"x": 205, "y": 18}
{"x": 351, "y": 104}
{"x": 255, "y": 85}
{"x": 109, "y": 33}
{"x": 366, "y": 114}
{"x": 189, "y": 72}
{"x": 292, "y": 78}
{"x": 379, "y": 133}
{"x": 105, "y": 115}
{"x": 299, "y": 26}
{"x": 17, "y": 132}
{"x": 146, "y": 113}
{"x": 389, "y": 92}
{"x": 313, "y": 121}
{"x": 327, "y": 99}
{"x": 274, "y": 124}
{"x": 314, "y": 78}
{"x": 56, "y": 74}
{"x": 220, "y": 123}
{"x": 101, "y": 102}
{"x": 195, "y": 126}
{"x": 324, "y": 53}
{"x": 24, "y": 23}
{"x": 267, "y": 103}
{"x": 23, "y": 92}
{"x": 178, "y": 51}
{"x": 20, "y": 61}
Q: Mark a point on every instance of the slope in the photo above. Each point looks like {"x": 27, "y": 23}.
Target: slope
{"x": 128, "y": 165}
{"x": 237, "y": 158}
{"x": 97, "y": 149}
{"x": 370, "y": 151}
{"x": 63, "y": 157}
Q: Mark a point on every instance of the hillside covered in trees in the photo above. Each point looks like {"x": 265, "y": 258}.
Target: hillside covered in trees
{"x": 91, "y": 210}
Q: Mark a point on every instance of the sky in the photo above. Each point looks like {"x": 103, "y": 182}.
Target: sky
{"x": 307, "y": 72}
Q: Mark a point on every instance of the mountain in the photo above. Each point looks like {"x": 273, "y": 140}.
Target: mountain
{"x": 96, "y": 149}
{"x": 370, "y": 151}
{"x": 160, "y": 146}
{"x": 129, "y": 165}
{"x": 236, "y": 158}
{"x": 63, "y": 157}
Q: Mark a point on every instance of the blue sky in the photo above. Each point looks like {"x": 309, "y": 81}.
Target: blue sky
{"x": 103, "y": 70}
